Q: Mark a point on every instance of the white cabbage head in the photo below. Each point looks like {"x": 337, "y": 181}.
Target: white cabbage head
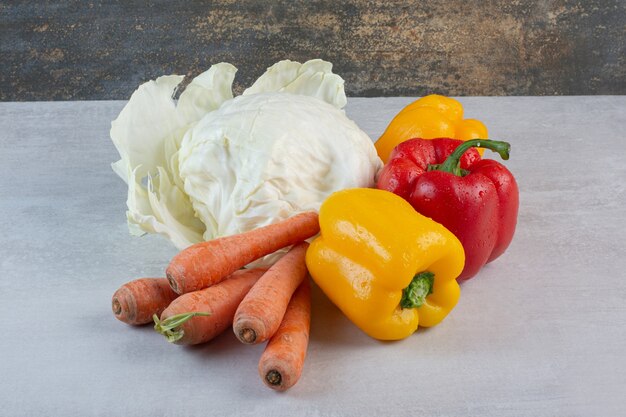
{"x": 210, "y": 165}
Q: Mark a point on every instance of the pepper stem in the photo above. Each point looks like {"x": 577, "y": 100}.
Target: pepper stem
{"x": 414, "y": 295}
{"x": 452, "y": 164}
{"x": 169, "y": 326}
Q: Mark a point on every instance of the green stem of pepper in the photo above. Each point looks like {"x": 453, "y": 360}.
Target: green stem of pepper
{"x": 452, "y": 164}
{"x": 414, "y": 295}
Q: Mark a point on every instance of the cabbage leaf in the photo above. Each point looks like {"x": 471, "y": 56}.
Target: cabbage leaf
{"x": 313, "y": 78}
{"x": 147, "y": 134}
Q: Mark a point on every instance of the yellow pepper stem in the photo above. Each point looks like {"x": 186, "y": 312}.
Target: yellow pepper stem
{"x": 414, "y": 295}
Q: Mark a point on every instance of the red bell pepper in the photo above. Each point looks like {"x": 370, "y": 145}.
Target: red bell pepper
{"x": 446, "y": 180}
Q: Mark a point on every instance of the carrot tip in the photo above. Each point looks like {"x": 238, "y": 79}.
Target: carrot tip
{"x": 116, "y": 306}
{"x": 172, "y": 282}
{"x": 274, "y": 378}
{"x": 247, "y": 335}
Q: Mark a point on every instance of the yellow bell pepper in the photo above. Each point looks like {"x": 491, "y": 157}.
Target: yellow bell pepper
{"x": 387, "y": 267}
{"x": 429, "y": 117}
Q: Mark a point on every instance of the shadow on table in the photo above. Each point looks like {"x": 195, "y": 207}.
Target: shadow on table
{"x": 329, "y": 326}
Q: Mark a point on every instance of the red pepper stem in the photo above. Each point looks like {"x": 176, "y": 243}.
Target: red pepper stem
{"x": 453, "y": 161}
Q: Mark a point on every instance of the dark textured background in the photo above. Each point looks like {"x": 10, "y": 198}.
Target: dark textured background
{"x": 71, "y": 50}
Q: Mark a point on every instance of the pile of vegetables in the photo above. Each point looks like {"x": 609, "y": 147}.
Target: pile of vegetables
{"x": 206, "y": 291}
{"x": 256, "y": 210}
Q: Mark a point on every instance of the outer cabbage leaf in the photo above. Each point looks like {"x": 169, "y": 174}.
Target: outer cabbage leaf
{"x": 147, "y": 135}
{"x": 313, "y": 78}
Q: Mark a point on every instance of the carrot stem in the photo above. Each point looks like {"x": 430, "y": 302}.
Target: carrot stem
{"x": 169, "y": 326}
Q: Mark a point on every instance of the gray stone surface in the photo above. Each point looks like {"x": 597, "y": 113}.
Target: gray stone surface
{"x": 77, "y": 50}
{"x": 540, "y": 332}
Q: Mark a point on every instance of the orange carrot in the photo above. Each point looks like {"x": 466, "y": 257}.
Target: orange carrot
{"x": 217, "y": 304}
{"x": 281, "y": 363}
{"x": 207, "y": 263}
{"x": 135, "y": 302}
{"x": 262, "y": 310}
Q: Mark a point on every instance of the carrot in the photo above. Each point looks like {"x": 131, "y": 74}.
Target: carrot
{"x": 262, "y": 310}
{"x": 282, "y": 360}
{"x": 136, "y": 301}
{"x": 212, "y": 309}
{"x": 207, "y": 263}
